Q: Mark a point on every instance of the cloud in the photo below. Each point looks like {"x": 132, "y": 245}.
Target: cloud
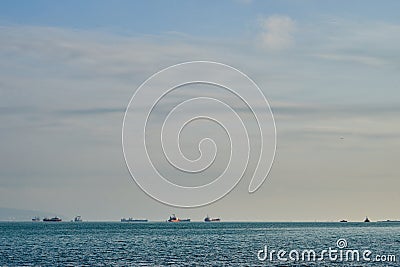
{"x": 373, "y": 123}
{"x": 368, "y": 43}
{"x": 365, "y": 110}
{"x": 365, "y": 60}
{"x": 66, "y": 90}
{"x": 246, "y": 2}
{"x": 278, "y": 32}
{"x": 92, "y": 111}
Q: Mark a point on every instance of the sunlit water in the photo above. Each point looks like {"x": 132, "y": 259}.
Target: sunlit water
{"x": 189, "y": 244}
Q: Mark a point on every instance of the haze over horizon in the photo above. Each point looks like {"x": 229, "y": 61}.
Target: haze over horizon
{"x": 329, "y": 71}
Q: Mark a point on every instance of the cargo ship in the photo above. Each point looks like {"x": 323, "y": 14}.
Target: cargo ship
{"x": 54, "y": 219}
{"x": 133, "y": 220}
{"x": 173, "y": 218}
{"x": 208, "y": 219}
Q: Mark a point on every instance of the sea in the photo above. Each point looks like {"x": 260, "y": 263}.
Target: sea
{"x": 199, "y": 244}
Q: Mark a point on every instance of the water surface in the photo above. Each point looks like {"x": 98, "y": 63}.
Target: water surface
{"x": 188, "y": 244}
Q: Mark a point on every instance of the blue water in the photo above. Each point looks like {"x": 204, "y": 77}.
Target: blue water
{"x": 188, "y": 244}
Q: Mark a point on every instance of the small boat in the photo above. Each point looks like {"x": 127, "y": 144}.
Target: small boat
{"x": 133, "y": 220}
{"x": 54, "y": 219}
{"x": 343, "y": 221}
{"x": 208, "y": 219}
{"x": 366, "y": 220}
{"x": 173, "y": 218}
{"x": 78, "y": 219}
{"x": 36, "y": 219}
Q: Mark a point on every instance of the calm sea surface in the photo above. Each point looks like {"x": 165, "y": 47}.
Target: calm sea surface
{"x": 196, "y": 244}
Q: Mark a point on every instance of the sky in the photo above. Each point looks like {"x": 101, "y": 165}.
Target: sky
{"x": 328, "y": 69}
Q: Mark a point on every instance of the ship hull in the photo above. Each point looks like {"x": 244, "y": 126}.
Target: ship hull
{"x": 52, "y": 220}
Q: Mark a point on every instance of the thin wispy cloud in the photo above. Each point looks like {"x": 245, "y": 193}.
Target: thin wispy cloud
{"x": 360, "y": 59}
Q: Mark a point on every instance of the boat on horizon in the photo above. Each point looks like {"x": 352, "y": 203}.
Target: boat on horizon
{"x": 133, "y": 220}
{"x": 208, "y": 219}
{"x": 343, "y": 221}
{"x": 78, "y": 219}
{"x": 367, "y": 220}
{"x": 54, "y": 219}
{"x": 173, "y": 218}
{"x": 36, "y": 219}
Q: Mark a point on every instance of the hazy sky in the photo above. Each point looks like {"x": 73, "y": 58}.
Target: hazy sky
{"x": 330, "y": 70}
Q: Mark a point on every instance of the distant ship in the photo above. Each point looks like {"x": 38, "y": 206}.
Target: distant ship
{"x": 36, "y": 219}
{"x": 133, "y": 220}
{"x": 78, "y": 219}
{"x": 389, "y": 221}
{"x": 54, "y": 219}
{"x": 208, "y": 219}
{"x": 173, "y": 218}
{"x": 343, "y": 221}
{"x": 366, "y": 220}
